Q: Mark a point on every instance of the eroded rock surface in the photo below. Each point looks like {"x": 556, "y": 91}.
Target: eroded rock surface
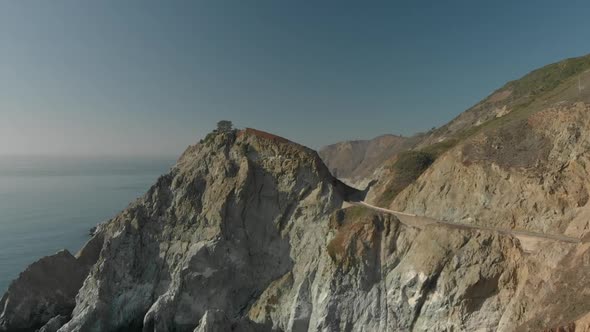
{"x": 46, "y": 289}
{"x": 530, "y": 175}
{"x": 231, "y": 217}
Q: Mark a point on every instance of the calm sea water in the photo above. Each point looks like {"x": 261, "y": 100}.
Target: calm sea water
{"x": 50, "y": 203}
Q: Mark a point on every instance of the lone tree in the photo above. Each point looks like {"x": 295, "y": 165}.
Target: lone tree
{"x": 224, "y": 126}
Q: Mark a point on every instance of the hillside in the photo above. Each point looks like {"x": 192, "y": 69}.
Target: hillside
{"x": 555, "y": 86}
{"x": 564, "y": 82}
{"x": 505, "y": 112}
{"x": 516, "y": 160}
{"x": 355, "y": 160}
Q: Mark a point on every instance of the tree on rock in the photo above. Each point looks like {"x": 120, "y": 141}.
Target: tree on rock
{"x": 224, "y": 126}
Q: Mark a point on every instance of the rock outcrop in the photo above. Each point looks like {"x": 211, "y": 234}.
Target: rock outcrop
{"x": 531, "y": 175}
{"x": 55, "y": 323}
{"x": 380, "y": 275}
{"x": 46, "y": 289}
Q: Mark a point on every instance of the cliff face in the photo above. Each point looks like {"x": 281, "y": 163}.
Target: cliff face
{"x": 531, "y": 174}
{"x": 246, "y": 233}
{"x": 212, "y": 234}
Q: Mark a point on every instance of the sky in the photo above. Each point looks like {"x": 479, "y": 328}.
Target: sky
{"x": 148, "y": 78}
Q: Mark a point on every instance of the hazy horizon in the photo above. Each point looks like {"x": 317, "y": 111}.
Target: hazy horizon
{"x": 149, "y": 78}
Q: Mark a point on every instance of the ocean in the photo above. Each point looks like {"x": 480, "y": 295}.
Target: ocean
{"x": 50, "y": 203}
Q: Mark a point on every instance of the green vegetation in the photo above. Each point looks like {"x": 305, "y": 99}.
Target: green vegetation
{"x": 549, "y": 77}
{"x": 439, "y": 148}
{"x": 408, "y": 167}
{"x": 224, "y": 126}
{"x": 533, "y": 92}
{"x": 356, "y": 212}
{"x": 209, "y": 138}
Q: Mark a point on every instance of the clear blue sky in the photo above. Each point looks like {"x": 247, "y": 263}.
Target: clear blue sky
{"x": 151, "y": 77}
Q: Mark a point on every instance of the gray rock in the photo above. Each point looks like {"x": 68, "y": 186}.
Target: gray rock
{"x": 214, "y": 321}
{"x": 231, "y": 217}
{"x": 46, "y": 289}
{"x": 55, "y": 323}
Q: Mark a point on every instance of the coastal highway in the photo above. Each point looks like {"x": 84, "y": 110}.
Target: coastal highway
{"x": 530, "y": 241}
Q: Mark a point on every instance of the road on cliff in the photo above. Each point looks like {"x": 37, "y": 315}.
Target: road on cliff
{"x": 530, "y": 240}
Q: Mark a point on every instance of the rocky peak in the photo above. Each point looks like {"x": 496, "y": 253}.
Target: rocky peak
{"x": 231, "y": 216}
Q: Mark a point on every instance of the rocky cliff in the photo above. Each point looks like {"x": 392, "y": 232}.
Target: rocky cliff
{"x": 250, "y": 232}
{"x": 247, "y": 233}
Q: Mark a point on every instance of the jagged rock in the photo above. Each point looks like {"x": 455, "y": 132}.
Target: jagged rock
{"x": 231, "y": 217}
{"x": 47, "y": 288}
{"x": 55, "y": 323}
{"x": 217, "y": 321}
{"x": 379, "y": 275}
{"x": 213, "y": 321}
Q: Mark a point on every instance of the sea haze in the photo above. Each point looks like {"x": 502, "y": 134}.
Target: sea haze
{"x": 50, "y": 203}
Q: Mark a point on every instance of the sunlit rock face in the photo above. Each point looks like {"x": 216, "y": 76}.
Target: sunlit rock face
{"x": 232, "y": 216}
{"x": 247, "y": 233}
{"x": 530, "y": 174}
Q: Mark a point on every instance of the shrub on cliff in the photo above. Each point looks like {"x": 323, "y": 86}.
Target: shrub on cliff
{"x": 408, "y": 167}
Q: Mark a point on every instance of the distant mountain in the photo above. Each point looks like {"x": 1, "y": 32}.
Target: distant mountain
{"x": 354, "y": 160}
